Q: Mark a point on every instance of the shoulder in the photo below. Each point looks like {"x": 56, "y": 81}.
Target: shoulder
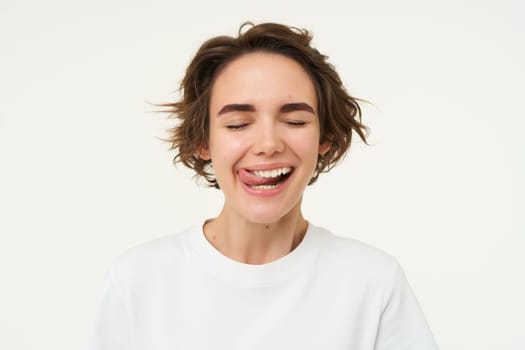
{"x": 370, "y": 279}
{"x": 351, "y": 256}
{"x": 152, "y": 257}
{"x": 342, "y": 247}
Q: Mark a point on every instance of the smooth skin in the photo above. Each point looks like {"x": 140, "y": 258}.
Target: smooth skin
{"x": 263, "y": 116}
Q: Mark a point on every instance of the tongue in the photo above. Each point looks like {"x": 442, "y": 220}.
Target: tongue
{"x": 253, "y": 180}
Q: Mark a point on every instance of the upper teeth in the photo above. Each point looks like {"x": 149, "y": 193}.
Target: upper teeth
{"x": 273, "y": 172}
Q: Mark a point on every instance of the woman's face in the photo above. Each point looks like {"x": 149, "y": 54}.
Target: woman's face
{"x": 264, "y": 136}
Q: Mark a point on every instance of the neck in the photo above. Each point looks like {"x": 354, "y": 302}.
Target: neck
{"x": 255, "y": 243}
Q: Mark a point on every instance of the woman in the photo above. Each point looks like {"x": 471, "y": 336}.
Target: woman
{"x": 261, "y": 116}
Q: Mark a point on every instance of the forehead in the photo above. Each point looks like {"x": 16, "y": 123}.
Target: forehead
{"x": 262, "y": 78}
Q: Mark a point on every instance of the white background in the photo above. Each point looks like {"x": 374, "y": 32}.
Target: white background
{"x": 83, "y": 175}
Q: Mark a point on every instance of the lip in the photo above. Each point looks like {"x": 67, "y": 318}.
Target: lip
{"x": 268, "y": 192}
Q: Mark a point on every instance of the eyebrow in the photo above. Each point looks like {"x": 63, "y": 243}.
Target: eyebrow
{"x": 236, "y": 108}
{"x": 286, "y": 108}
{"x": 292, "y": 107}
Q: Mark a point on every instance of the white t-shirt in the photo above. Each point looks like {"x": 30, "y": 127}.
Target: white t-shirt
{"x": 179, "y": 292}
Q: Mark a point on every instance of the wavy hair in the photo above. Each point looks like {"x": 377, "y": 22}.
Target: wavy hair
{"x": 339, "y": 113}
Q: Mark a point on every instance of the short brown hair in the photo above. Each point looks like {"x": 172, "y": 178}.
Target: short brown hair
{"x": 339, "y": 113}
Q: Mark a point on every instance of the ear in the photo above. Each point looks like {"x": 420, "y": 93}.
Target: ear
{"x": 324, "y": 147}
{"x": 203, "y": 153}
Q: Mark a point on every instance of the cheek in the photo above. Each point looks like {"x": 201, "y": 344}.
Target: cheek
{"x": 226, "y": 147}
{"x": 306, "y": 146}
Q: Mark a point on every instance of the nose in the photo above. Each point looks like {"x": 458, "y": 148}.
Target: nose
{"x": 268, "y": 140}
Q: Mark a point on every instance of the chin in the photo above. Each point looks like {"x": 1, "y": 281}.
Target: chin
{"x": 266, "y": 214}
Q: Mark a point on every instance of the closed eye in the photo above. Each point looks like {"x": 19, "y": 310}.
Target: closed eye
{"x": 236, "y": 126}
{"x": 295, "y": 123}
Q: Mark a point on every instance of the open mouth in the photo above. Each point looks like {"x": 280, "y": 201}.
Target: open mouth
{"x": 265, "y": 179}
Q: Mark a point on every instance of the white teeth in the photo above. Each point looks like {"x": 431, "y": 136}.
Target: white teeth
{"x": 263, "y": 187}
{"x": 273, "y": 172}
